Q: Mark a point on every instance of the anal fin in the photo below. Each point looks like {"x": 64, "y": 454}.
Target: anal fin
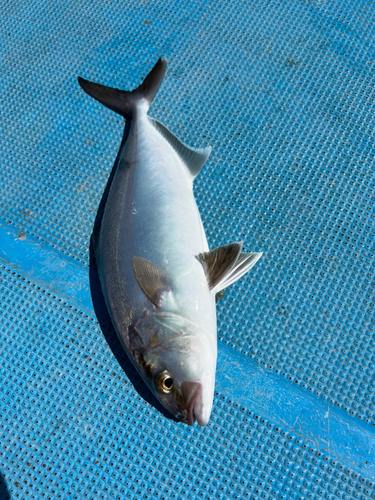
{"x": 194, "y": 159}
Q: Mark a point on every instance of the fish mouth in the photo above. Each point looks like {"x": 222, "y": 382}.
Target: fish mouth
{"x": 192, "y": 394}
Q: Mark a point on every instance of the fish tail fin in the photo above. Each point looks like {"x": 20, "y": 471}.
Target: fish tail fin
{"x": 121, "y": 101}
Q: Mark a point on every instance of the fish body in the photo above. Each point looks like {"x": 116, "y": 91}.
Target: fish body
{"x": 158, "y": 277}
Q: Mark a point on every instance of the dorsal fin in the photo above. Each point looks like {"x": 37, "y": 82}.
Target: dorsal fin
{"x": 194, "y": 159}
{"x": 225, "y": 265}
{"x": 152, "y": 279}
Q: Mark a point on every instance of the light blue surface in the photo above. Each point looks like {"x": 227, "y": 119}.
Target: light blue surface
{"x": 284, "y": 93}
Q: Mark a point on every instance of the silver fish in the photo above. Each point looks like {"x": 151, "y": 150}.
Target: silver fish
{"x": 158, "y": 277}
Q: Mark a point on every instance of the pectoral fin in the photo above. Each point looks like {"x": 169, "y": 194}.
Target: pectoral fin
{"x": 225, "y": 265}
{"x": 152, "y": 279}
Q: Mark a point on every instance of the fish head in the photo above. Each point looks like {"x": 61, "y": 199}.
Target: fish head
{"x": 178, "y": 364}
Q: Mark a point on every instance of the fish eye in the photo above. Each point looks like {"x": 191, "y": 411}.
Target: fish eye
{"x": 164, "y": 381}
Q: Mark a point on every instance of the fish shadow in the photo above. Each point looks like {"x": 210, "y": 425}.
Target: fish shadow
{"x": 4, "y": 493}
{"x": 102, "y": 313}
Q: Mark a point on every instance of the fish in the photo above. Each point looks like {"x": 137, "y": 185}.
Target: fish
{"x": 159, "y": 278}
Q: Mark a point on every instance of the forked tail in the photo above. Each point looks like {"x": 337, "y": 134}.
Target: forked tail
{"x": 121, "y": 101}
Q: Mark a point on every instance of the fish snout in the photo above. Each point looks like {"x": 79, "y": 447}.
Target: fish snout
{"x": 192, "y": 393}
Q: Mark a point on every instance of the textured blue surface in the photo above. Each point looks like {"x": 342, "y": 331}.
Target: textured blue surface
{"x": 284, "y": 93}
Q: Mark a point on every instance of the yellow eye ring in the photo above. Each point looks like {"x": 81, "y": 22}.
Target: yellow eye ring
{"x": 164, "y": 382}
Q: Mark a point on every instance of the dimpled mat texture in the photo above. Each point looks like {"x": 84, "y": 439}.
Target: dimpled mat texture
{"x": 284, "y": 93}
